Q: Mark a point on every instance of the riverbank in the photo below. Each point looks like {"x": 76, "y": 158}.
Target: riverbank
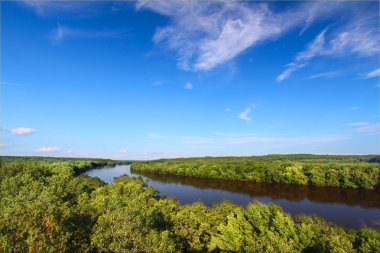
{"x": 337, "y": 171}
{"x": 43, "y": 207}
{"x": 347, "y": 207}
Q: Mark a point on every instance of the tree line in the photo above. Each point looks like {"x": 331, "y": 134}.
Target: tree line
{"x": 324, "y": 170}
{"x": 45, "y": 207}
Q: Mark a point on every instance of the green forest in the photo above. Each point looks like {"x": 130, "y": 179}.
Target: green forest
{"x": 352, "y": 171}
{"x": 47, "y": 205}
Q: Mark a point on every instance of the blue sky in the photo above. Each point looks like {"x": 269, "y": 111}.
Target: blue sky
{"x": 151, "y": 79}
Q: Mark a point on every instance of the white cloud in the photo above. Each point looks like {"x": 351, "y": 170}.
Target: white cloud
{"x": 21, "y": 130}
{"x": 370, "y": 128}
{"x": 313, "y": 49}
{"x": 364, "y": 127}
{"x": 359, "y": 37}
{"x": 49, "y": 149}
{"x": 188, "y": 86}
{"x": 158, "y": 83}
{"x": 62, "y": 32}
{"x": 207, "y": 34}
{"x": 373, "y": 73}
{"x": 244, "y": 114}
{"x": 327, "y": 75}
{"x": 301, "y": 59}
{"x": 291, "y": 67}
{"x": 47, "y": 7}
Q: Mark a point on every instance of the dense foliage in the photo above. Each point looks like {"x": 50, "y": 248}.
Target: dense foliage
{"x": 45, "y": 208}
{"x": 320, "y": 170}
{"x": 12, "y": 165}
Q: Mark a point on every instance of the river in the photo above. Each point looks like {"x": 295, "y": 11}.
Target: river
{"x": 350, "y": 208}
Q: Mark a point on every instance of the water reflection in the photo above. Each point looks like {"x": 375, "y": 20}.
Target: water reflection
{"x": 347, "y": 196}
{"x": 351, "y": 208}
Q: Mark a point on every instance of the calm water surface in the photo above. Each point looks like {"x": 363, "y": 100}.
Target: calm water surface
{"x": 351, "y": 208}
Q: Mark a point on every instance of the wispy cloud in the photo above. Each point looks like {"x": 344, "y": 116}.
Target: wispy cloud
{"x": 207, "y": 34}
{"x": 364, "y": 127}
{"x": 48, "y": 149}
{"x": 370, "y": 128}
{"x": 373, "y": 73}
{"x": 48, "y": 7}
{"x": 62, "y": 32}
{"x": 158, "y": 83}
{"x": 188, "y": 86}
{"x": 358, "y": 37}
{"x": 302, "y": 58}
{"x": 326, "y": 75}
{"x": 291, "y": 67}
{"x": 21, "y": 131}
{"x": 244, "y": 115}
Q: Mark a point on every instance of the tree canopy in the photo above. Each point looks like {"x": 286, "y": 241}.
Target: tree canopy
{"x": 45, "y": 207}
{"x": 320, "y": 170}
